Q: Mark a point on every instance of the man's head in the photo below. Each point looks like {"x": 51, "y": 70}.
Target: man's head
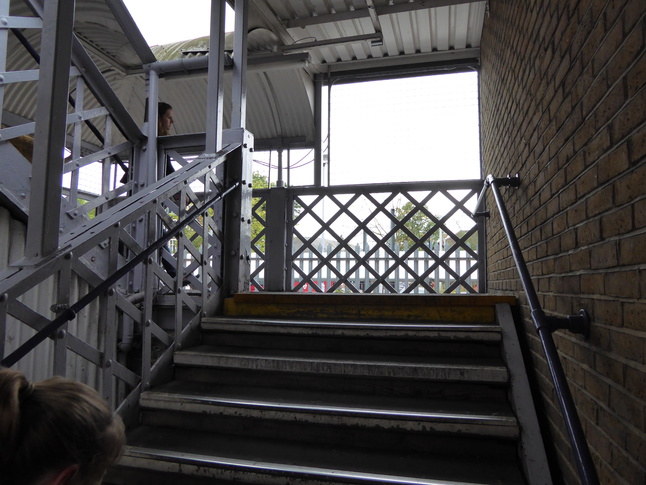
{"x": 165, "y": 118}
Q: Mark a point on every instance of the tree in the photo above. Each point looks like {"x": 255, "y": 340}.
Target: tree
{"x": 419, "y": 224}
{"x": 259, "y": 181}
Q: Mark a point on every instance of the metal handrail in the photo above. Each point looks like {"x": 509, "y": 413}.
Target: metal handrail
{"x": 70, "y": 313}
{"x": 545, "y": 325}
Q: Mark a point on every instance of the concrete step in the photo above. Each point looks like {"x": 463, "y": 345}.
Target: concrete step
{"x": 373, "y": 387}
{"x": 163, "y": 456}
{"x": 340, "y": 410}
{"x": 396, "y": 329}
{"x": 429, "y": 367}
{"x": 360, "y": 307}
{"x": 355, "y": 337}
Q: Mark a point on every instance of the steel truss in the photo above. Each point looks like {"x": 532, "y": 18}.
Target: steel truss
{"x": 112, "y": 301}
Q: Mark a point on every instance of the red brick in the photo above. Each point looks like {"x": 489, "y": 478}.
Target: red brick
{"x": 603, "y": 255}
{"x": 580, "y": 259}
{"x": 629, "y": 345}
{"x": 592, "y": 284}
{"x": 607, "y": 312}
{"x": 635, "y": 316}
{"x": 636, "y": 446}
{"x": 604, "y": 113}
{"x": 600, "y": 201}
{"x": 626, "y": 55}
{"x": 634, "y": 472}
{"x": 638, "y": 145}
{"x": 587, "y": 182}
{"x": 636, "y": 77}
{"x": 568, "y": 240}
{"x": 616, "y": 223}
{"x": 632, "y": 250}
{"x": 627, "y": 407}
{"x": 631, "y": 185}
{"x": 615, "y": 429}
{"x": 629, "y": 118}
{"x": 588, "y": 233}
{"x": 640, "y": 214}
{"x": 608, "y": 47}
{"x": 613, "y": 164}
{"x": 622, "y": 284}
{"x": 609, "y": 367}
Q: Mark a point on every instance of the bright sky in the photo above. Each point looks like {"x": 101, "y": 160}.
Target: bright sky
{"x": 166, "y": 21}
{"x": 422, "y": 128}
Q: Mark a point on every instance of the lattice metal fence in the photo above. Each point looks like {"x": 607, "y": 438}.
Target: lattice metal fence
{"x": 382, "y": 238}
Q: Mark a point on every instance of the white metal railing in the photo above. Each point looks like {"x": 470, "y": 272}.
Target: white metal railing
{"x": 381, "y": 238}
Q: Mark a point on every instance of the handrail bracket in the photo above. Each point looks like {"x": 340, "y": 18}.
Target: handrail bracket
{"x": 579, "y": 324}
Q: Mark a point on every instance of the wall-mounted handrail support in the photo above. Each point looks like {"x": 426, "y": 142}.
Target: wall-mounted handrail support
{"x": 544, "y": 327}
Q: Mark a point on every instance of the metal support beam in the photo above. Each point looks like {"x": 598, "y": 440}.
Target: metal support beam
{"x": 318, "y": 121}
{"x": 49, "y": 138}
{"x": 362, "y": 13}
{"x": 215, "y": 94}
{"x": 4, "y": 37}
{"x": 276, "y": 240}
{"x": 131, "y": 31}
{"x": 237, "y": 219}
{"x": 239, "y": 82}
{"x": 378, "y": 36}
{"x": 96, "y": 83}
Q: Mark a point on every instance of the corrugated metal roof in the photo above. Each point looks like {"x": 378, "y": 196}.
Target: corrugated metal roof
{"x": 339, "y": 35}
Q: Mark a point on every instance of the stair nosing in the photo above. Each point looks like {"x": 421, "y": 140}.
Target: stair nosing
{"x": 413, "y": 370}
{"x": 475, "y": 424}
{"x": 480, "y": 332}
{"x": 181, "y": 460}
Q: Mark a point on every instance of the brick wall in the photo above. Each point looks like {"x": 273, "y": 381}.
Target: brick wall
{"x": 563, "y": 103}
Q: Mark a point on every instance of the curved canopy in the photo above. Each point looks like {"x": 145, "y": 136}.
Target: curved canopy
{"x": 289, "y": 42}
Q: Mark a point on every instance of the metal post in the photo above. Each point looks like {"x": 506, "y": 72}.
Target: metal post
{"x": 239, "y": 82}
{"x": 318, "y": 143}
{"x": 4, "y": 38}
{"x": 215, "y": 76}
{"x": 148, "y": 164}
{"x": 76, "y": 143}
{"x": 276, "y": 240}
{"x": 49, "y": 136}
{"x": 280, "y": 182}
{"x": 237, "y": 221}
{"x": 62, "y": 302}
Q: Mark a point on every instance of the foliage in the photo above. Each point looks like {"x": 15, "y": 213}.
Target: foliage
{"x": 259, "y": 181}
{"x": 419, "y": 224}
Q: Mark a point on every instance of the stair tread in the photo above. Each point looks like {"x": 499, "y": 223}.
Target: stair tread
{"x": 210, "y": 450}
{"x": 321, "y": 400}
{"x": 403, "y": 413}
{"x": 391, "y": 328}
{"x": 291, "y": 354}
{"x": 438, "y": 367}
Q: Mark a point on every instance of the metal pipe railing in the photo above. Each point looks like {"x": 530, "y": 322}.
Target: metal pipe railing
{"x": 545, "y": 325}
{"x": 70, "y": 312}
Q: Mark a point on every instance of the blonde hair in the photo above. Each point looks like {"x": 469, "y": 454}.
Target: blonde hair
{"x": 48, "y": 426}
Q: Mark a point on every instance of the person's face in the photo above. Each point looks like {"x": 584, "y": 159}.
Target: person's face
{"x": 165, "y": 122}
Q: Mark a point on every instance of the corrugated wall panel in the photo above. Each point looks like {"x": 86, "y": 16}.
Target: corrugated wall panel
{"x": 38, "y": 364}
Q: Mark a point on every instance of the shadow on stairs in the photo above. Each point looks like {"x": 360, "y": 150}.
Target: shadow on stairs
{"x": 343, "y": 389}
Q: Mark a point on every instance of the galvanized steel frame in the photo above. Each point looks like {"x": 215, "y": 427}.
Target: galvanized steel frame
{"x": 130, "y": 221}
{"x": 198, "y": 286}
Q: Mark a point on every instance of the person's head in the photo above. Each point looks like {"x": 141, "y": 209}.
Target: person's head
{"x": 165, "y": 118}
{"x": 55, "y": 432}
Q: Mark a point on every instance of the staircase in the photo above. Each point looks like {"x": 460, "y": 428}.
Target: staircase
{"x": 343, "y": 389}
